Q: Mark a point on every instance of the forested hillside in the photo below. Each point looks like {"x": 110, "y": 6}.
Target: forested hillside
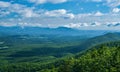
{"x": 101, "y": 58}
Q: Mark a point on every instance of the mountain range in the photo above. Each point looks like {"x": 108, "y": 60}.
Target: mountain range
{"x": 61, "y": 31}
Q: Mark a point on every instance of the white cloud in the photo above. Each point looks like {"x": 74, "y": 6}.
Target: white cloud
{"x": 7, "y": 24}
{"x": 2, "y": 14}
{"x": 59, "y": 13}
{"x": 95, "y": 24}
{"x": 56, "y": 12}
{"x": 57, "y": 1}
{"x": 95, "y": 0}
{"x": 113, "y": 3}
{"x": 84, "y": 24}
{"x": 110, "y": 3}
{"x": 72, "y": 25}
{"x": 54, "y": 18}
{"x": 21, "y": 10}
{"x": 47, "y": 1}
{"x": 38, "y": 1}
{"x": 23, "y": 24}
{"x": 28, "y": 13}
{"x": 76, "y": 25}
{"x": 116, "y": 10}
{"x": 70, "y": 15}
{"x": 98, "y": 13}
{"x": 4, "y": 4}
{"x": 79, "y": 25}
{"x": 84, "y": 15}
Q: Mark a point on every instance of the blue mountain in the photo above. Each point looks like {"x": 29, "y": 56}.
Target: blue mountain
{"x": 61, "y": 31}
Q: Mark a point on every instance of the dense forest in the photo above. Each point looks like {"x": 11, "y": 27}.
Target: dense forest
{"x": 100, "y": 58}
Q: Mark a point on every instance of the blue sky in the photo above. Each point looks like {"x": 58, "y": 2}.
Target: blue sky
{"x": 81, "y": 14}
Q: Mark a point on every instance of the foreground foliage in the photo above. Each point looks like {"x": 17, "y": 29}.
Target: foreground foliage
{"x": 103, "y": 59}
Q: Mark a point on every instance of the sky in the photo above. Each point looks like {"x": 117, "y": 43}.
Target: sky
{"x": 80, "y": 14}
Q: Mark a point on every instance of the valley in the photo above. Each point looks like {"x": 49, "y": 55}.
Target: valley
{"x": 40, "y": 50}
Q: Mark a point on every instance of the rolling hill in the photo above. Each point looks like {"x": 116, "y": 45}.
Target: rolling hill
{"x": 19, "y": 48}
{"x": 104, "y": 58}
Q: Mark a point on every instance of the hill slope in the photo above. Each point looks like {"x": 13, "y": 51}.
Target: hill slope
{"x": 23, "y": 48}
{"x": 109, "y": 37}
{"x": 103, "y": 59}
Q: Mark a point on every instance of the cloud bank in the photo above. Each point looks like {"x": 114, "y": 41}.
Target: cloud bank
{"x": 16, "y": 14}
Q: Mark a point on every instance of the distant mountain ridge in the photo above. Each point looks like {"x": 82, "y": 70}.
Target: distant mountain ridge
{"x": 61, "y": 31}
